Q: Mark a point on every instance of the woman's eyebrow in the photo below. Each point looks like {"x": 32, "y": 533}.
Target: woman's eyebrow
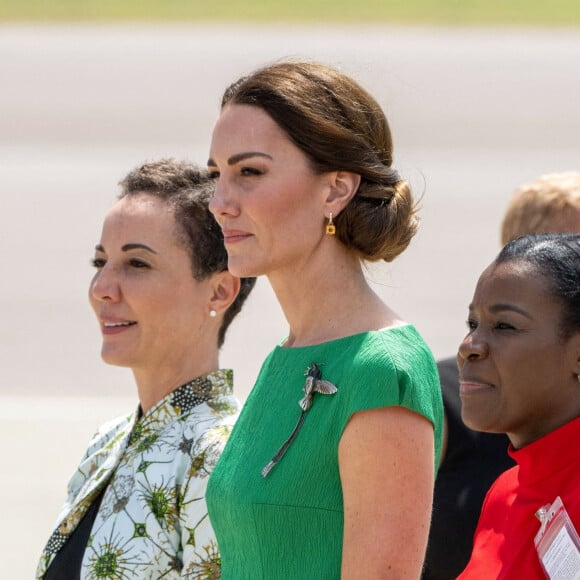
{"x": 240, "y": 157}
{"x": 127, "y": 248}
{"x": 496, "y": 308}
{"x": 137, "y": 246}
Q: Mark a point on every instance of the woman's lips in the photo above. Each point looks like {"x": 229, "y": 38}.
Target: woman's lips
{"x": 473, "y": 387}
{"x": 110, "y": 327}
{"x": 235, "y": 236}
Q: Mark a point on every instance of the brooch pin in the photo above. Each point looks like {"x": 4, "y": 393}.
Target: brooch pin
{"x": 314, "y": 384}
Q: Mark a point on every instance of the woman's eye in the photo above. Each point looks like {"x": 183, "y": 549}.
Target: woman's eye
{"x": 98, "y": 262}
{"x": 503, "y": 326}
{"x": 135, "y": 263}
{"x": 250, "y": 171}
{"x": 213, "y": 173}
{"x": 471, "y": 324}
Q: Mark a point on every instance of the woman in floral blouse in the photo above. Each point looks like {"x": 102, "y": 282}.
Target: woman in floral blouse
{"x": 163, "y": 299}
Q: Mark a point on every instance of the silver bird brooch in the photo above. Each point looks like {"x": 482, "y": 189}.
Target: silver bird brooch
{"x": 313, "y": 384}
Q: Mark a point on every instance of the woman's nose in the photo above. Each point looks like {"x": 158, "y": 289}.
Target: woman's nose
{"x": 223, "y": 204}
{"x": 104, "y": 286}
{"x": 472, "y": 347}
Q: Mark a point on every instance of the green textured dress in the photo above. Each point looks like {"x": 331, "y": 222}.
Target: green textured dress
{"x": 289, "y": 525}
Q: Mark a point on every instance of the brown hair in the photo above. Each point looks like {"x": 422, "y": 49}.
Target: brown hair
{"x": 338, "y": 125}
{"x": 187, "y": 190}
{"x": 542, "y": 205}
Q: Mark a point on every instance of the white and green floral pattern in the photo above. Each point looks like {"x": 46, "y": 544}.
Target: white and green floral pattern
{"x": 152, "y": 522}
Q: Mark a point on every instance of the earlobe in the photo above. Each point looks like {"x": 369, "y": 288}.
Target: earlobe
{"x": 575, "y": 344}
{"x": 343, "y": 187}
{"x": 225, "y": 287}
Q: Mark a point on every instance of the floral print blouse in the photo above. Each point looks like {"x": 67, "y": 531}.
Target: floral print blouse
{"x": 152, "y": 522}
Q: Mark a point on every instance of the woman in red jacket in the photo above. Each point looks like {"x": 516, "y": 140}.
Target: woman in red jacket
{"x": 519, "y": 374}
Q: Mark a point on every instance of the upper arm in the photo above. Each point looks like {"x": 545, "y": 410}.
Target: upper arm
{"x": 386, "y": 460}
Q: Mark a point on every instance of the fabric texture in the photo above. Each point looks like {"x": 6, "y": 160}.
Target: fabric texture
{"x": 68, "y": 561}
{"x": 504, "y": 539}
{"x": 289, "y": 525}
{"x": 473, "y": 461}
{"x": 152, "y": 521}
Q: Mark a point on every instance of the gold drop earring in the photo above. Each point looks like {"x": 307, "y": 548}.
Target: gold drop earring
{"x": 330, "y": 227}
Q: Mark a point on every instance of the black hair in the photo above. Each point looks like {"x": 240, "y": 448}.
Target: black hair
{"x": 556, "y": 257}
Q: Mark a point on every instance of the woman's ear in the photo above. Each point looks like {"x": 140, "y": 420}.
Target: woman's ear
{"x": 574, "y": 346}
{"x": 225, "y": 288}
{"x": 343, "y": 187}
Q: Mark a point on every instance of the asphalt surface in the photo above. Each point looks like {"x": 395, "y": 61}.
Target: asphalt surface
{"x": 474, "y": 113}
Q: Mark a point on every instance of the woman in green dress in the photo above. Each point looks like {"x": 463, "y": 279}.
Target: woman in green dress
{"x": 329, "y": 471}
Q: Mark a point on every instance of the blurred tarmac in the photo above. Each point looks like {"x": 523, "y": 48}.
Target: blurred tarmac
{"x": 474, "y": 113}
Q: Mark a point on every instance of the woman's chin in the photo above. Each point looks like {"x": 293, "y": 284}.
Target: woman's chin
{"x": 116, "y": 359}
{"x": 478, "y": 422}
{"x": 243, "y": 269}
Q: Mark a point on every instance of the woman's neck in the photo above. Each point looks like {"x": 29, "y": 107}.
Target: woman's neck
{"x": 156, "y": 381}
{"x": 328, "y": 300}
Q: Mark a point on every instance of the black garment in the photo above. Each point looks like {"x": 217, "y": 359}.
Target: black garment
{"x": 67, "y": 562}
{"x": 472, "y": 462}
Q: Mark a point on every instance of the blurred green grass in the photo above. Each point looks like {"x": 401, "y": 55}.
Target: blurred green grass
{"x": 452, "y": 12}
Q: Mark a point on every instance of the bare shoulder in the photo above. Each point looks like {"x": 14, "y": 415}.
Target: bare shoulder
{"x": 387, "y": 425}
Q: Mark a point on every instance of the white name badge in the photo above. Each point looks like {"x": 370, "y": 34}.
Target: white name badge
{"x": 557, "y": 543}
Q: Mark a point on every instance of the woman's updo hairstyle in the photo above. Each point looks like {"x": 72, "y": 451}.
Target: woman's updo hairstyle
{"x": 339, "y": 126}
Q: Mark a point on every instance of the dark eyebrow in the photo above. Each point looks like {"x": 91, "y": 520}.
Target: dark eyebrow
{"x": 496, "y": 308}
{"x": 240, "y": 157}
{"x": 510, "y": 308}
{"x": 128, "y": 247}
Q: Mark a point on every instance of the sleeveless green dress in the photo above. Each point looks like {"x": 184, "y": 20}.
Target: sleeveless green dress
{"x": 289, "y": 524}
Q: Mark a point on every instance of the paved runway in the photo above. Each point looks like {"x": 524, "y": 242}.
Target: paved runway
{"x": 474, "y": 113}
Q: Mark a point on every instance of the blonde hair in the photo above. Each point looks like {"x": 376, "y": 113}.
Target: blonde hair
{"x": 542, "y": 206}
